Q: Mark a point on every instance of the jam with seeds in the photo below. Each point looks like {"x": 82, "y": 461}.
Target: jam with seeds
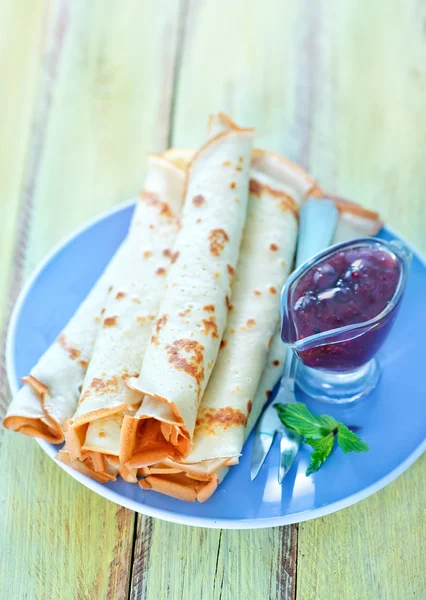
{"x": 350, "y": 287}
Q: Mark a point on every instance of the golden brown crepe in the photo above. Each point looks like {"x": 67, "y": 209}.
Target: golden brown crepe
{"x": 128, "y": 315}
{"x": 192, "y": 316}
{"x": 265, "y": 261}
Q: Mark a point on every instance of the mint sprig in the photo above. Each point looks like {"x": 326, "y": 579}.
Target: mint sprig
{"x": 320, "y": 432}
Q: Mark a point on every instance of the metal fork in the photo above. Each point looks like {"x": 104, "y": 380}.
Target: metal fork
{"x": 318, "y": 221}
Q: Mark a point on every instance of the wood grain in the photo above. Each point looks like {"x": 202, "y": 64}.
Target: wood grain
{"x": 59, "y": 539}
{"x": 21, "y": 30}
{"x": 110, "y": 108}
{"x": 52, "y": 24}
{"x": 230, "y": 51}
{"x": 375, "y": 549}
{"x": 368, "y": 132}
{"x": 206, "y": 563}
{"x": 105, "y": 101}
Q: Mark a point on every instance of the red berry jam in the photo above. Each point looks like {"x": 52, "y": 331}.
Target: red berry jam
{"x": 350, "y": 287}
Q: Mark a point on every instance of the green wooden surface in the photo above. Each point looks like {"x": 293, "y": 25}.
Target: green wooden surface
{"x": 339, "y": 86}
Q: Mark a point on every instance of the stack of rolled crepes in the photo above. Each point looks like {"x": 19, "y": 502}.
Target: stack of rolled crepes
{"x": 164, "y": 369}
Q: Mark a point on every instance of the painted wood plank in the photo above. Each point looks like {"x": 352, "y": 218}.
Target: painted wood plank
{"x": 203, "y": 563}
{"x": 58, "y": 539}
{"x": 108, "y": 103}
{"x": 367, "y": 123}
{"x": 374, "y": 549}
{"x": 50, "y": 21}
{"x": 21, "y": 30}
{"x": 368, "y": 141}
{"x": 238, "y": 59}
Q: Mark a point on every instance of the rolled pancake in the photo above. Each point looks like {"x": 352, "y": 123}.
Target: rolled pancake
{"x": 353, "y": 222}
{"x": 50, "y": 393}
{"x": 129, "y": 313}
{"x": 192, "y": 316}
{"x": 266, "y": 259}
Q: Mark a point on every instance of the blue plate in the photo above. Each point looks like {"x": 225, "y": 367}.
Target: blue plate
{"x": 392, "y": 419}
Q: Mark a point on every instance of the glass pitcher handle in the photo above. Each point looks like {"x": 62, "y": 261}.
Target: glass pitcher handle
{"x": 402, "y": 250}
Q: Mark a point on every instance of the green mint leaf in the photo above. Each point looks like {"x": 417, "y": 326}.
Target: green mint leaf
{"x": 350, "y": 441}
{"x": 322, "y": 449}
{"x": 319, "y": 432}
{"x": 296, "y": 416}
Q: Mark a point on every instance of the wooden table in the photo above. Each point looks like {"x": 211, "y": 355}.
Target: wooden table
{"x": 87, "y": 88}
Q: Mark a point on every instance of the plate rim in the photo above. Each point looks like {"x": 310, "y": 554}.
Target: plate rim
{"x": 164, "y": 514}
